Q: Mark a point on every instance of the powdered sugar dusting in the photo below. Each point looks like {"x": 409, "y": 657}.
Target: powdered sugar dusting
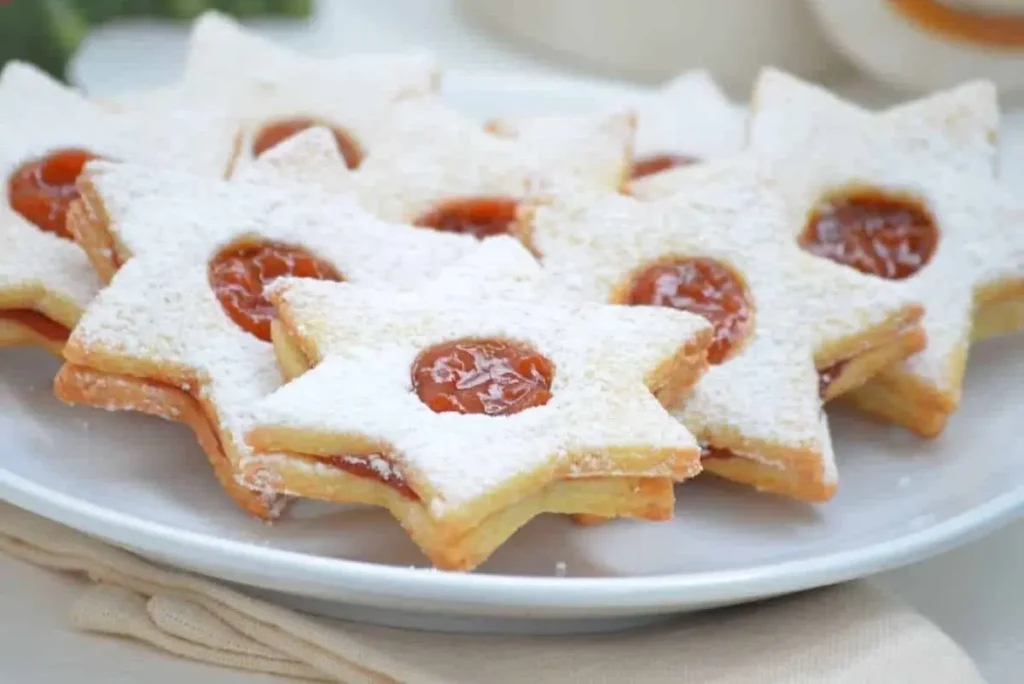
{"x": 940, "y": 151}
{"x": 955, "y": 128}
{"x": 768, "y": 390}
{"x": 368, "y": 340}
{"x": 689, "y": 116}
{"x": 159, "y": 315}
{"x": 39, "y": 115}
{"x": 435, "y": 154}
{"x": 263, "y": 83}
{"x": 310, "y": 158}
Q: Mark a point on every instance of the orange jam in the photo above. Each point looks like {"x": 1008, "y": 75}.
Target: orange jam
{"x": 274, "y": 134}
{"x": 363, "y": 466}
{"x": 478, "y": 216}
{"x": 656, "y": 163}
{"x": 41, "y": 190}
{"x": 39, "y": 323}
{"x": 490, "y": 376}
{"x": 701, "y": 286}
{"x": 886, "y": 236}
{"x": 240, "y": 275}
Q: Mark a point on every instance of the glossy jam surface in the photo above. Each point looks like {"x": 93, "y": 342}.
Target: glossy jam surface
{"x": 480, "y": 216}
{"x": 701, "y": 286}
{"x": 376, "y": 468}
{"x": 274, "y": 134}
{"x": 490, "y": 376}
{"x": 239, "y": 276}
{"x": 41, "y": 190}
{"x": 889, "y": 237}
{"x": 43, "y": 325}
{"x": 656, "y": 163}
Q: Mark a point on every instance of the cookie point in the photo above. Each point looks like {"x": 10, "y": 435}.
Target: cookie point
{"x": 274, "y": 133}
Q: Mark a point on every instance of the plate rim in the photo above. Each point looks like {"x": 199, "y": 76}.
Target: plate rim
{"x": 371, "y": 584}
{"x": 360, "y": 582}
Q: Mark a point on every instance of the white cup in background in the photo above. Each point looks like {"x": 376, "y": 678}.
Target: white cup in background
{"x": 653, "y": 40}
{"x": 930, "y": 44}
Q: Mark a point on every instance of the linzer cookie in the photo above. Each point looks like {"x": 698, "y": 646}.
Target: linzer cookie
{"x": 957, "y": 128}
{"x": 716, "y": 247}
{"x": 471, "y": 405}
{"x": 907, "y": 196}
{"x": 277, "y": 92}
{"x": 47, "y": 133}
{"x": 510, "y": 273}
{"x": 444, "y": 172}
{"x": 686, "y": 121}
{"x": 183, "y": 330}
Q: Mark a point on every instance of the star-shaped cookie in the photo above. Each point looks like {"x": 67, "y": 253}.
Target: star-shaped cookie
{"x": 909, "y": 196}
{"x": 442, "y": 170}
{"x": 474, "y": 404}
{"x": 685, "y": 121}
{"x": 957, "y": 128}
{"x": 716, "y": 247}
{"x": 47, "y": 132}
{"x": 277, "y": 92}
{"x": 183, "y": 328}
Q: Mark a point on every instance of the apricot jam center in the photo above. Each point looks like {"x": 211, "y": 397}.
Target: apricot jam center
{"x": 701, "y": 286}
{"x": 240, "y": 275}
{"x": 490, "y": 376}
{"x": 41, "y": 190}
{"x": 878, "y": 234}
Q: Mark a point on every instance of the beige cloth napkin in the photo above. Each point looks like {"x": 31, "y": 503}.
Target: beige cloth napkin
{"x": 843, "y": 635}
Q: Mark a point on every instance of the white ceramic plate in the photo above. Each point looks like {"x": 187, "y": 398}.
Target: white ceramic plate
{"x": 144, "y": 484}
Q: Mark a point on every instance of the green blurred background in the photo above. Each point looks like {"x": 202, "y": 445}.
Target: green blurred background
{"x": 47, "y": 32}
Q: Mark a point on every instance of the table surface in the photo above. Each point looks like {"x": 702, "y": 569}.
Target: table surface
{"x": 968, "y": 592}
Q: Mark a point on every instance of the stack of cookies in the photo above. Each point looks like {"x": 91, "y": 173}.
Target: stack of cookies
{"x": 353, "y": 293}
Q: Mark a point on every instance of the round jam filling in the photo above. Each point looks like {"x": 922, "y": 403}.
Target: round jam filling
{"x": 703, "y": 287}
{"x": 480, "y": 217}
{"x": 276, "y": 133}
{"x": 239, "y": 276}
{"x": 889, "y": 237}
{"x": 41, "y": 190}
{"x": 656, "y": 163}
{"x": 490, "y": 376}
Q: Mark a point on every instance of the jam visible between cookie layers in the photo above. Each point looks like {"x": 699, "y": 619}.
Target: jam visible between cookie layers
{"x": 656, "y": 163}
{"x": 375, "y": 467}
{"x": 37, "y": 322}
{"x": 41, "y": 190}
{"x": 273, "y": 134}
{"x": 700, "y": 286}
{"x": 480, "y": 217}
{"x": 239, "y": 276}
{"x": 886, "y": 236}
{"x": 708, "y": 452}
{"x": 490, "y": 376}
{"x": 828, "y": 375}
